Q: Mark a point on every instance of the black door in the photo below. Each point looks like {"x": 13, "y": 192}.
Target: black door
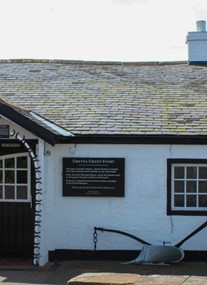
{"x": 16, "y": 204}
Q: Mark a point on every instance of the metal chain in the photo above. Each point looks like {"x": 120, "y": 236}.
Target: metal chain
{"x": 95, "y": 238}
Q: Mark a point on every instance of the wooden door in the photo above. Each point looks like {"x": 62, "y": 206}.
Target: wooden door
{"x": 16, "y": 205}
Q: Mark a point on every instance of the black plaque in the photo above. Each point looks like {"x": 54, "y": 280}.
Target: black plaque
{"x": 93, "y": 177}
{"x": 4, "y": 131}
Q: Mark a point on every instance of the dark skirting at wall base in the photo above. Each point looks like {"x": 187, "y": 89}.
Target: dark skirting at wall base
{"x": 124, "y": 255}
{"x": 64, "y": 254}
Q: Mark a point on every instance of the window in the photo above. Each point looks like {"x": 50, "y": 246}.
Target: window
{"x": 14, "y": 178}
{"x": 187, "y": 187}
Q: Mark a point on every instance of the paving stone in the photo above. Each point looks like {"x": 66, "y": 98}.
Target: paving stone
{"x": 135, "y": 279}
{"x": 105, "y": 279}
{"x": 162, "y": 280}
{"x": 196, "y": 280}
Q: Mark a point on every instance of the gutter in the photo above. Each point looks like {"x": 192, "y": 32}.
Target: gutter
{"x": 135, "y": 139}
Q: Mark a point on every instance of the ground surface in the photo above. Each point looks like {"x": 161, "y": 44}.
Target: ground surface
{"x": 61, "y": 272}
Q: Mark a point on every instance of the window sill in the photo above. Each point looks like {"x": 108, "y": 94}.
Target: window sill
{"x": 187, "y": 213}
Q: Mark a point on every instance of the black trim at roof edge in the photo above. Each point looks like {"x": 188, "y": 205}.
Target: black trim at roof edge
{"x": 24, "y": 122}
{"x": 136, "y": 139}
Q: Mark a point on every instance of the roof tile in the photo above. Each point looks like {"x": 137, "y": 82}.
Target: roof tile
{"x": 106, "y": 98}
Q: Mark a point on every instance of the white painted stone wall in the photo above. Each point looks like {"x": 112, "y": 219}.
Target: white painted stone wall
{"x": 68, "y": 222}
{"x": 142, "y": 212}
{"x": 17, "y": 128}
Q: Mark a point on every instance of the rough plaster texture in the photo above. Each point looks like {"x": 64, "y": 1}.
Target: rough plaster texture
{"x": 142, "y": 211}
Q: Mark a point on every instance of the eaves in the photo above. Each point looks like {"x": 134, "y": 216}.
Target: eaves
{"x": 136, "y": 139}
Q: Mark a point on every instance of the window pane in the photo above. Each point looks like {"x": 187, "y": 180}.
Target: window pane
{"x": 9, "y": 176}
{"x": 203, "y": 172}
{"x": 1, "y": 163}
{"x": 9, "y": 192}
{"x": 179, "y": 186}
{"x": 179, "y": 200}
{"x": 179, "y": 172}
{"x": 191, "y": 201}
{"x": 22, "y": 162}
{"x": 22, "y": 192}
{"x": 191, "y": 172}
{"x": 202, "y": 187}
{"x": 21, "y": 176}
{"x": 1, "y": 192}
{"x": 202, "y": 200}
{"x": 191, "y": 187}
{"x": 9, "y": 163}
{"x": 1, "y": 176}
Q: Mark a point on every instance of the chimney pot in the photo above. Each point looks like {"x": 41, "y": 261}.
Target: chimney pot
{"x": 201, "y": 26}
{"x": 197, "y": 44}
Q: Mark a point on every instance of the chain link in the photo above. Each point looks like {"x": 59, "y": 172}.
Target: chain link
{"x": 95, "y": 238}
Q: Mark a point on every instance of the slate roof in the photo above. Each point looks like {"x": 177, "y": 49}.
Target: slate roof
{"x": 32, "y": 122}
{"x": 89, "y": 98}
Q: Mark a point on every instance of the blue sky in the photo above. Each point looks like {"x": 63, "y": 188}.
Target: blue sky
{"x": 103, "y": 30}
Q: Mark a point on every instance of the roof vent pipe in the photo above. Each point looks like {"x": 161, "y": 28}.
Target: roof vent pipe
{"x": 197, "y": 44}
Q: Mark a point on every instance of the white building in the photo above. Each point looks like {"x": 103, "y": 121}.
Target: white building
{"x": 121, "y": 146}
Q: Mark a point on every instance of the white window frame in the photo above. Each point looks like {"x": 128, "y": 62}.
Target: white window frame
{"x": 185, "y": 179}
{"x": 15, "y": 184}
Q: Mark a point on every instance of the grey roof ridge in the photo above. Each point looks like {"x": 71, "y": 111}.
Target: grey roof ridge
{"x": 68, "y": 61}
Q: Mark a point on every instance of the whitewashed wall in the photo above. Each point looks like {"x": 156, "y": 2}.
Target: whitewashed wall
{"x": 17, "y": 128}
{"x": 68, "y": 222}
{"x": 142, "y": 212}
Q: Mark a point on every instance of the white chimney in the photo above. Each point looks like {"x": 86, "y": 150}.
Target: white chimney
{"x": 197, "y": 44}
